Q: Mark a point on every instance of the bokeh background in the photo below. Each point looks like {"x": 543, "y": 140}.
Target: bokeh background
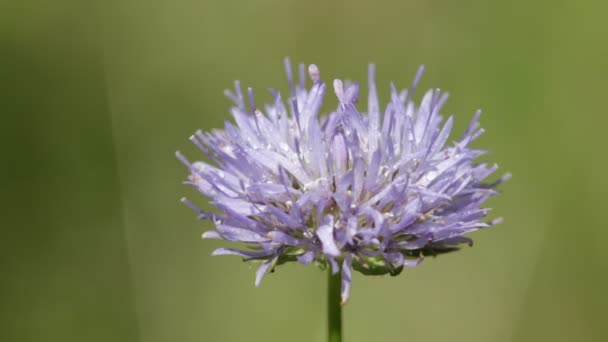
{"x": 95, "y": 97}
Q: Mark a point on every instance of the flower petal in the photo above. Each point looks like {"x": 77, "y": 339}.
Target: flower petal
{"x": 346, "y": 277}
{"x": 238, "y": 252}
{"x": 326, "y": 236}
{"x": 259, "y": 274}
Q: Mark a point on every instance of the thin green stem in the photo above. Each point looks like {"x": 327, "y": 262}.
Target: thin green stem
{"x": 334, "y": 307}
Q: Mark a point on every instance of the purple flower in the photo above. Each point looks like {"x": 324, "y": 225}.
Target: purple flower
{"x": 350, "y": 190}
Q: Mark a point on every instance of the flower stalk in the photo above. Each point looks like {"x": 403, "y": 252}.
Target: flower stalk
{"x": 334, "y": 307}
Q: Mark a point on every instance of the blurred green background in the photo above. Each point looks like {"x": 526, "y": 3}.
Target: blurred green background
{"x": 96, "y": 97}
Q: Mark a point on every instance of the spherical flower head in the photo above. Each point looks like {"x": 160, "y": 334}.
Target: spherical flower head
{"x": 373, "y": 192}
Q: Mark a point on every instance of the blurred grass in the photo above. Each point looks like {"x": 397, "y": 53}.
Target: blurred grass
{"x": 64, "y": 260}
{"x": 96, "y": 99}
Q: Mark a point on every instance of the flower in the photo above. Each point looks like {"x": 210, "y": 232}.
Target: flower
{"x": 350, "y": 190}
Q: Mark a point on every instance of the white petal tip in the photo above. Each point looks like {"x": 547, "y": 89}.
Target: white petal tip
{"x": 313, "y": 72}
{"x": 339, "y": 89}
{"x": 210, "y": 235}
{"x": 496, "y": 221}
{"x": 258, "y": 278}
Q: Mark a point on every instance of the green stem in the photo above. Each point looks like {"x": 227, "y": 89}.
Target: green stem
{"x": 334, "y": 307}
